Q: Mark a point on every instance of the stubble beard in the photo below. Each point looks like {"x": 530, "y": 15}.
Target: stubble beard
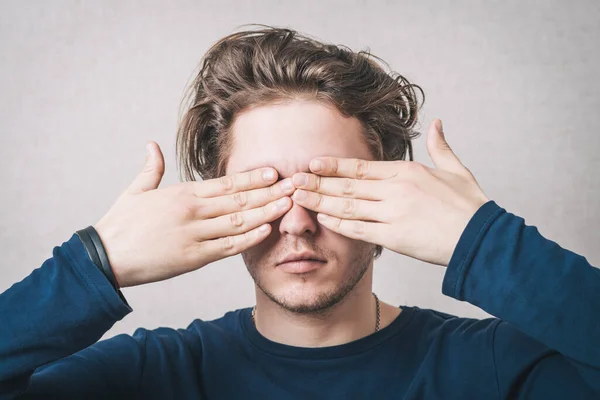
{"x": 324, "y": 301}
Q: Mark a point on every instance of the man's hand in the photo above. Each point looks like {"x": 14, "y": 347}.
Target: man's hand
{"x": 404, "y": 206}
{"x": 152, "y": 234}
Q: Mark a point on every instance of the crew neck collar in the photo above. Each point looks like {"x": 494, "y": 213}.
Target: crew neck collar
{"x": 337, "y": 351}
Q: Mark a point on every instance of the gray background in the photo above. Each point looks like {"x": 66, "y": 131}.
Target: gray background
{"x": 516, "y": 84}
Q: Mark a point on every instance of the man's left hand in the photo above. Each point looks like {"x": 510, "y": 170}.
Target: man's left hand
{"x": 403, "y": 206}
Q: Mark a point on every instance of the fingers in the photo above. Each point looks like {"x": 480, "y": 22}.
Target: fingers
{"x": 244, "y": 200}
{"x": 341, "y": 207}
{"x": 439, "y": 150}
{"x": 229, "y": 184}
{"x": 239, "y": 222}
{"x": 153, "y": 171}
{"x": 217, "y": 249}
{"x": 371, "y": 232}
{"x": 341, "y": 187}
{"x": 353, "y": 168}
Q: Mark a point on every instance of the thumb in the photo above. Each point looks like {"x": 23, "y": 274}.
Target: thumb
{"x": 153, "y": 171}
{"x": 439, "y": 150}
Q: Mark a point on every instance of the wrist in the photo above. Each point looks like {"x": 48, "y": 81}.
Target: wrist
{"x": 97, "y": 253}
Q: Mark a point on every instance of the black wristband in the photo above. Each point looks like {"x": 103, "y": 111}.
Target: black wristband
{"x": 93, "y": 245}
{"x": 90, "y": 248}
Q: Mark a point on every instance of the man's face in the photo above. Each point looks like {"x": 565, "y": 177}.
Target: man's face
{"x": 286, "y": 137}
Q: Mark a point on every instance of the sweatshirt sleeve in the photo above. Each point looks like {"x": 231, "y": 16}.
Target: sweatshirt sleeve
{"x": 60, "y": 309}
{"x": 547, "y": 297}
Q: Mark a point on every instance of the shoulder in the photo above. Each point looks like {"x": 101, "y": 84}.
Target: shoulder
{"x": 437, "y": 323}
{"x": 194, "y": 334}
{"x": 492, "y": 332}
{"x": 443, "y": 339}
{"x": 491, "y": 346}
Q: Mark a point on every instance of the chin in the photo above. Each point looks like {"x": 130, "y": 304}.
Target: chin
{"x": 305, "y": 293}
{"x": 315, "y": 291}
{"x": 304, "y": 298}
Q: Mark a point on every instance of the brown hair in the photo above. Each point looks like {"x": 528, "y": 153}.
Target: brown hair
{"x": 255, "y": 67}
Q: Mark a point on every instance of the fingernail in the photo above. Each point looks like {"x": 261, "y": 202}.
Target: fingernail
{"x": 287, "y": 185}
{"x": 300, "y": 195}
{"x": 439, "y": 126}
{"x": 264, "y": 228}
{"x": 316, "y": 165}
{"x": 268, "y": 175}
{"x": 300, "y": 180}
{"x": 282, "y": 202}
{"x": 148, "y": 152}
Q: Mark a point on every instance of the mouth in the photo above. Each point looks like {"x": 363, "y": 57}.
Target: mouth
{"x": 301, "y": 266}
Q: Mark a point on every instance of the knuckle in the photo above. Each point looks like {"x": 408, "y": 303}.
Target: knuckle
{"x": 319, "y": 200}
{"x": 361, "y": 168}
{"x": 190, "y": 210}
{"x": 195, "y": 188}
{"x": 359, "y": 228}
{"x": 405, "y": 187}
{"x": 318, "y": 182}
{"x": 202, "y": 209}
{"x": 241, "y": 198}
{"x": 236, "y": 219}
{"x": 349, "y": 186}
{"x": 338, "y": 223}
{"x": 334, "y": 166}
{"x": 227, "y": 244}
{"x": 226, "y": 182}
{"x": 348, "y": 206}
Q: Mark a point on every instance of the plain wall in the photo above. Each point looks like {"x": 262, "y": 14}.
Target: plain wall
{"x": 84, "y": 85}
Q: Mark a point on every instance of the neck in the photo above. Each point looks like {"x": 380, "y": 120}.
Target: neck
{"x": 350, "y": 319}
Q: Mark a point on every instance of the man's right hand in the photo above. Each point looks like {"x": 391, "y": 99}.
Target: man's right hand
{"x": 153, "y": 234}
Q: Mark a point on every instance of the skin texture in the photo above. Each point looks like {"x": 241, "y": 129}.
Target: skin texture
{"x": 404, "y": 206}
{"x": 332, "y": 304}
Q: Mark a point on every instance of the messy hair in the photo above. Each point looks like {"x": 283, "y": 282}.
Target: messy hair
{"x": 261, "y": 66}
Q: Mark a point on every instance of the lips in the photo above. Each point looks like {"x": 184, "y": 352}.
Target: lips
{"x": 302, "y": 262}
{"x": 303, "y": 256}
{"x": 301, "y": 266}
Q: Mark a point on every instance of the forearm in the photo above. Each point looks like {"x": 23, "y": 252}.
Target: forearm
{"x": 511, "y": 271}
{"x": 60, "y": 308}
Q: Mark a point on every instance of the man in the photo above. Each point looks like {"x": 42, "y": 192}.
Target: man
{"x": 335, "y": 128}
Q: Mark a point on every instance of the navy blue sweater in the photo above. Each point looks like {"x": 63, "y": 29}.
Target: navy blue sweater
{"x": 544, "y": 343}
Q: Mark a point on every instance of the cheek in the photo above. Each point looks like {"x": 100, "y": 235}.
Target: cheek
{"x": 340, "y": 244}
{"x": 260, "y": 254}
{"x": 347, "y": 250}
{"x": 253, "y": 255}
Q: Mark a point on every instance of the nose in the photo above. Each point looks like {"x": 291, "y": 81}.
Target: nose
{"x": 298, "y": 221}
